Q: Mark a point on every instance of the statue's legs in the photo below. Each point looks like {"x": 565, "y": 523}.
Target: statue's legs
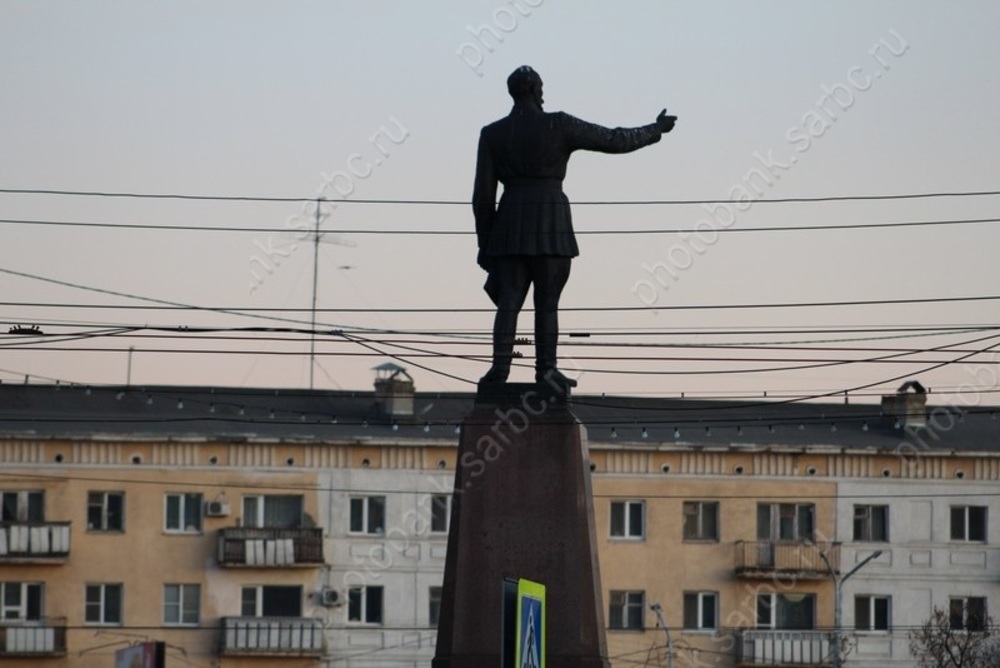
{"x": 550, "y": 275}
{"x": 513, "y": 279}
{"x": 515, "y": 274}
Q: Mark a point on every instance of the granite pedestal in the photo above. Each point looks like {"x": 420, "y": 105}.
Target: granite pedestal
{"x": 522, "y": 508}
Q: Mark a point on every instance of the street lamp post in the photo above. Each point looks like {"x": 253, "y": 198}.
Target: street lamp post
{"x": 658, "y": 611}
{"x": 837, "y": 606}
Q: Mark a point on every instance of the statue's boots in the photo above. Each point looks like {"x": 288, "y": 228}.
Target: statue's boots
{"x": 503, "y": 353}
{"x": 545, "y": 363}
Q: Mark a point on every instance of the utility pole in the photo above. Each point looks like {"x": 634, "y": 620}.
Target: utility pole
{"x": 838, "y": 659}
{"x": 658, "y": 611}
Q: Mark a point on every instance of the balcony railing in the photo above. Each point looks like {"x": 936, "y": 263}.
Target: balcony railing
{"x": 34, "y": 542}
{"x": 272, "y": 636}
{"x": 755, "y": 559}
{"x": 783, "y": 648}
{"x": 30, "y": 638}
{"x": 270, "y": 548}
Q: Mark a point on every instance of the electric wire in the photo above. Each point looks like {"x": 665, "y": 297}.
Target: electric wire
{"x": 402, "y": 357}
{"x": 243, "y": 311}
{"x": 816, "y": 494}
{"x": 445, "y": 202}
{"x": 233, "y": 334}
{"x": 469, "y": 232}
{"x": 407, "y": 354}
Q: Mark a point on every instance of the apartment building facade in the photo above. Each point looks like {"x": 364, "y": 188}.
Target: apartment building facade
{"x": 253, "y": 527}
{"x": 938, "y": 550}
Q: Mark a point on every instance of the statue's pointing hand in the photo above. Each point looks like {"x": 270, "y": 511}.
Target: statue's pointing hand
{"x": 664, "y": 122}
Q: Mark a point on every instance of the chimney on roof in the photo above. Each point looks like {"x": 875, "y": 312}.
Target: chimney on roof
{"x": 908, "y": 406}
{"x": 393, "y": 392}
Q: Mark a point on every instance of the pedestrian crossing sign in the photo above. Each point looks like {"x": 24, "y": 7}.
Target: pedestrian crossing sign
{"x": 530, "y": 646}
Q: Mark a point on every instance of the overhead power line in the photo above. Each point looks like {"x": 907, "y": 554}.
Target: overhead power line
{"x": 469, "y": 232}
{"x": 132, "y": 479}
{"x": 446, "y": 202}
{"x": 294, "y": 335}
{"x": 248, "y": 311}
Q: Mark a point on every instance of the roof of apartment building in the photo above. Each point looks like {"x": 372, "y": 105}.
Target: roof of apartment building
{"x": 395, "y": 412}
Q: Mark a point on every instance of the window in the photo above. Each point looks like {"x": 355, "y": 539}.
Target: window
{"x": 271, "y": 601}
{"x": 20, "y": 601}
{"x": 871, "y": 613}
{"x": 701, "y": 520}
{"x": 103, "y": 604}
{"x": 368, "y": 514}
{"x": 22, "y": 507}
{"x": 628, "y": 519}
{"x": 440, "y": 511}
{"x": 106, "y": 511}
{"x": 275, "y": 511}
{"x": 967, "y": 614}
{"x": 183, "y": 513}
{"x": 434, "y": 609}
{"x": 786, "y": 521}
{"x": 364, "y": 604}
{"x": 871, "y": 524}
{"x": 626, "y": 610}
{"x": 181, "y": 603}
{"x": 786, "y": 611}
{"x": 968, "y": 523}
{"x": 701, "y": 611}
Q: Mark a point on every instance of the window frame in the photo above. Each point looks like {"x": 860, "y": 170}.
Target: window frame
{"x": 259, "y": 520}
{"x": 184, "y": 498}
{"x": 105, "y": 510}
{"x": 259, "y": 602}
{"x": 964, "y": 601}
{"x": 700, "y": 533}
{"x": 103, "y": 603}
{"x": 368, "y": 519}
{"x": 359, "y": 603}
{"x": 774, "y": 611}
{"x": 626, "y": 506}
{"x": 185, "y": 591}
{"x": 624, "y": 600}
{"x": 700, "y": 598}
{"x": 23, "y": 506}
{"x": 967, "y": 524}
{"x": 870, "y": 602}
{"x": 776, "y": 517}
{"x": 434, "y": 596}
{"x": 440, "y": 512}
{"x": 23, "y": 608}
{"x": 865, "y": 524}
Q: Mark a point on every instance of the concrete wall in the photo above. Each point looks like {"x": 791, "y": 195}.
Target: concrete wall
{"x": 921, "y": 567}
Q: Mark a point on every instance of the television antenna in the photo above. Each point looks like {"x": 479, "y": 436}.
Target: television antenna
{"x": 317, "y": 238}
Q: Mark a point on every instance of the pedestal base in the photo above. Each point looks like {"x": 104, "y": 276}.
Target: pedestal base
{"x": 522, "y": 508}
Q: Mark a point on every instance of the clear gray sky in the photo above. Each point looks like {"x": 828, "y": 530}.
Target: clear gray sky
{"x": 352, "y": 100}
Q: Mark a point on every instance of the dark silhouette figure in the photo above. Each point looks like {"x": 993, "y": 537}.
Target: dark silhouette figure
{"x": 528, "y": 238}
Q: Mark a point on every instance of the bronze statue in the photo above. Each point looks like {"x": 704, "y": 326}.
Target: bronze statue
{"x": 528, "y": 238}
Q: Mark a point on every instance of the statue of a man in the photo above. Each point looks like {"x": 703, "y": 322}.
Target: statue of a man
{"x": 528, "y": 238}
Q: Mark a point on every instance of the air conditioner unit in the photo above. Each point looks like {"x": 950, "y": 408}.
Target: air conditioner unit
{"x": 330, "y": 598}
{"x": 216, "y": 508}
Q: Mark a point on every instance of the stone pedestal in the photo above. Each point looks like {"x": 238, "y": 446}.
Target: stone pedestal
{"x": 522, "y": 508}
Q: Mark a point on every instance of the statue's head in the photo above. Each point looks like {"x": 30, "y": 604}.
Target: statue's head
{"x": 525, "y": 84}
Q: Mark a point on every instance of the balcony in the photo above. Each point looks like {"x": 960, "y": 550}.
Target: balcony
{"x": 783, "y": 648}
{"x": 43, "y": 638}
{"x": 271, "y": 636}
{"x": 766, "y": 559}
{"x": 270, "y": 548}
{"x": 34, "y": 542}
